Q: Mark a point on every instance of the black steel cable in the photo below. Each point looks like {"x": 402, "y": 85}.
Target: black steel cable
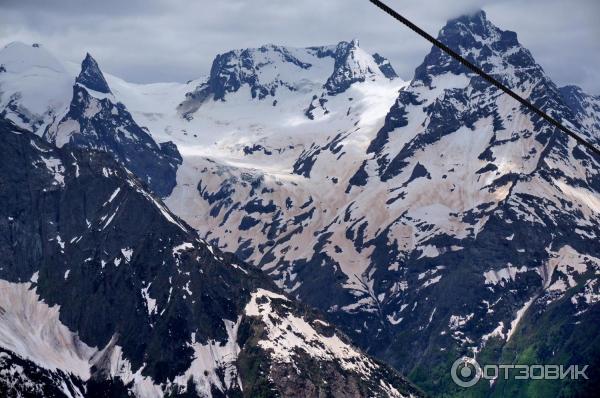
{"x": 486, "y": 76}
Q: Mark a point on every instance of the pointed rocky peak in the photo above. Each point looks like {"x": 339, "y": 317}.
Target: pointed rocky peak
{"x": 91, "y": 76}
{"x": 264, "y": 70}
{"x": 344, "y": 48}
{"x": 476, "y": 23}
{"x": 452, "y": 97}
{"x": 271, "y": 70}
{"x": 475, "y": 37}
{"x": 96, "y": 121}
{"x": 352, "y": 65}
{"x": 474, "y": 31}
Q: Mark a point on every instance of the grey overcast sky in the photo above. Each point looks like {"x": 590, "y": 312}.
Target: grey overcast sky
{"x": 176, "y": 40}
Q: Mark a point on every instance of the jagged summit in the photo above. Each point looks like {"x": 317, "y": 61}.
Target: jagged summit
{"x": 496, "y": 51}
{"x": 272, "y": 69}
{"x": 475, "y": 31}
{"x": 352, "y": 64}
{"x": 91, "y": 76}
{"x": 476, "y": 21}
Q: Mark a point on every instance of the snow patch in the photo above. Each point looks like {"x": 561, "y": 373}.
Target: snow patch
{"x": 33, "y": 330}
{"x": 520, "y": 313}
{"x": 182, "y": 247}
{"x": 212, "y": 359}
{"x": 127, "y": 253}
{"x": 503, "y": 275}
{"x": 286, "y": 334}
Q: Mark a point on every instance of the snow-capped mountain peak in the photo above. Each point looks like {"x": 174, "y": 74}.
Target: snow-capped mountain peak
{"x": 496, "y": 51}
{"x": 352, "y": 64}
{"x": 91, "y": 76}
{"x": 95, "y": 119}
{"x": 272, "y": 71}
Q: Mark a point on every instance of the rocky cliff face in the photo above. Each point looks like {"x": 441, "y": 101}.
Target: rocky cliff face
{"x": 105, "y": 292}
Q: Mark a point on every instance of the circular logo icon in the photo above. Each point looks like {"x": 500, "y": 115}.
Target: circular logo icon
{"x": 465, "y": 372}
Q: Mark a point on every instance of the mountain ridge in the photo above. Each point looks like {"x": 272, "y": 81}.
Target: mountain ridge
{"x": 123, "y": 304}
{"x": 428, "y": 219}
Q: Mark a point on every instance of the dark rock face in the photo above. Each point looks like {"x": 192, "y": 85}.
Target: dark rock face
{"x": 117, "y": 239}
{"x": 385, "y": 66}
{"x": 101, "y": 124}
{"x": 130, "y": 279}
{"x": 23, "y": 378}
{"x": 348, "y": 68}
{"x": 232, "y": 70}
{"x": 226, "y": 77}
{"x": 308, "y": 376}
{"x": 91, "y": 76}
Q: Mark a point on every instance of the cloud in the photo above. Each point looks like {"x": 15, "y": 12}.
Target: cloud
{"x": 176, "y": 40}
